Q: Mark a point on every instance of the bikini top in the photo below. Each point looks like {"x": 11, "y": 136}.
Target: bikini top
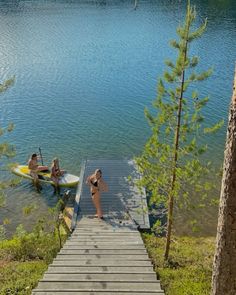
{"x": 95, "y": 183}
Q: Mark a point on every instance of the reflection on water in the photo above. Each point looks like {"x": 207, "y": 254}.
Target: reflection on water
{"x": 85, "y": 70}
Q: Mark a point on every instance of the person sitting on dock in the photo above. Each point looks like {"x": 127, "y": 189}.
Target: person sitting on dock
{"x": 35, "y": 169}
{"x": 56, "y": 173}
{"x": 97, "y": 185}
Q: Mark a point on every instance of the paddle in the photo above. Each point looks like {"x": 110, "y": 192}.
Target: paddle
{"x": 41, "y": 156}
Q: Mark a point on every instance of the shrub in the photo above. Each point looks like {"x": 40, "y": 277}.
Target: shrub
{"x": 20, "y": 278}
{"x": 189, "y": 268}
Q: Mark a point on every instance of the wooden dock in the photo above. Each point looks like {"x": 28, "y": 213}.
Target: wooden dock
{"x": 105, "y": 257}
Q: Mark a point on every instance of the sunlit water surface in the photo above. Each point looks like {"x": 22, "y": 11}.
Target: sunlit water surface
{"x": 85, "y": 70}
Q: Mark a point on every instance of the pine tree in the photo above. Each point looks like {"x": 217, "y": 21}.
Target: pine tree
{"x": 170, "y": 163}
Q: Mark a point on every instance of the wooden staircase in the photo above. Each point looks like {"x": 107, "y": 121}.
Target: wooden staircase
{"x": 105, "y": 257}
{"x": 101, "y": 257}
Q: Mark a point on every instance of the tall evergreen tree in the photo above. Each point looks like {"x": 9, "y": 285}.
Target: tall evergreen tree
{"x": 170, "y": 163}
{"x": 224, "y": 267}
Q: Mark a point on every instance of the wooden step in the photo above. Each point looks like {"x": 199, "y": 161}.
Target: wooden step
{"x": 105, "y": 233}
{"x": 105, "y": 239}
{"x": 115, "y": 230}
{"x": 107, "y": 236}
{"x": 102, "y": 251}
{"x": 74, "y": 245}
{"x": 99, "y": 269}
{"x": 104, "y": 243}
{"x": 95, "y": 257}
{"x": 106, "y": 222}
{"x": 92, "y": 228}
{"x": 99, "y": 262}
{"x": 97, "y": 277}
{"x": 99, "y": 286}
{"x": 71, "y": 292}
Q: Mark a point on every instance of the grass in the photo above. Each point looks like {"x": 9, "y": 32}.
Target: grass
{"x": 24, "y": 259}
{"x": 189, "y": 269}
{"x": 20, "y": 277}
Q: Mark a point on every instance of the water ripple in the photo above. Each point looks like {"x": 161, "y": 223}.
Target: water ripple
{"x": 85, "y": 71}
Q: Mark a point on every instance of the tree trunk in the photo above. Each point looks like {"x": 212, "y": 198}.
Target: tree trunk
{"x": 224, "y": 266}
{"x": 176, "y": 151}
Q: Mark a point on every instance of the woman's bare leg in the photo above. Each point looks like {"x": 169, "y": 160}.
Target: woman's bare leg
{"x": 42, "y": 168}
{"x": 97, "y": 204}
{"x": 56, "y": 185}
{"x": 36, "y": 181}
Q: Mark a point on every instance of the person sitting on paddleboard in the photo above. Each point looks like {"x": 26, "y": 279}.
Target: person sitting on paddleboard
{"x": 56, "y": 173}
{"x": 35, "y": 168}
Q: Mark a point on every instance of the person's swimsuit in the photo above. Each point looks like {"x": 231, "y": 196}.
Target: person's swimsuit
{"x": 33, "y": 169}
{"x": 95, "y": 184}
{"x": 55, "y": 174}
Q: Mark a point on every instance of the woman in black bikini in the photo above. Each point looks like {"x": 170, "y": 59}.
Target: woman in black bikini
{"x": 97, "y": 185}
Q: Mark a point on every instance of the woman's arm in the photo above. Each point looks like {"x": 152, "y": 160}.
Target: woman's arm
{"x": 53, "y": 174}
{"x": 103, "y": 186}
{"x": 32, "y": 165}
{"x": 88, "y": 180}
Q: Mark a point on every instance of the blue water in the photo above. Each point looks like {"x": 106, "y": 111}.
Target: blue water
{"x": 85, "y": 70}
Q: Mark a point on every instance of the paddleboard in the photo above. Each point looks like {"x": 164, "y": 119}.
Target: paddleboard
{"x": 66, "y": 180}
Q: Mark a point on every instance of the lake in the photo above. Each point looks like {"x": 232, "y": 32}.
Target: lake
{"x": 85, "y": 70}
